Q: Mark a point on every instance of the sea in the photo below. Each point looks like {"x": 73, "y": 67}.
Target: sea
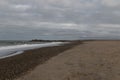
{"x": 10, "y": 48}
{"x": 16, "y": 42}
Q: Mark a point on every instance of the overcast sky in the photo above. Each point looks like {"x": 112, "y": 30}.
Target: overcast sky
{"x": 59, "y": 19}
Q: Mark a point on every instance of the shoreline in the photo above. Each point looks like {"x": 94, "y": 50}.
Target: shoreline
{"x": 5, "y": 51}
{"x": 93, "y": 60}
{"x": 18, "y": 65}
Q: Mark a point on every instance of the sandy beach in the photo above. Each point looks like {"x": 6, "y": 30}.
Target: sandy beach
{"x": 93, "y": 60}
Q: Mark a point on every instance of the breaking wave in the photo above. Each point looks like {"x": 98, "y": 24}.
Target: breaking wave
{"x": 9, "y": 51}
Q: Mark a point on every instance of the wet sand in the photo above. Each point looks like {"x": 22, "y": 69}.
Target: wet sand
{"x": 93, "y": 60}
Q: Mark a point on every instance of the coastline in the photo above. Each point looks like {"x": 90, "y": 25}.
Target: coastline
{"x": 18, "y": 65}
{"x": 8, "y": 51}
{"x": 93, "y": 60}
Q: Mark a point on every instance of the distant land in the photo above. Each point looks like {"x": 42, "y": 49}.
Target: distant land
{"x": 38, "y": 40}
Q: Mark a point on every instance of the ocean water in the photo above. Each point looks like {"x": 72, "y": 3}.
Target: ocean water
{"x": 11, "y": 48}
{"x": 15, "y": 42}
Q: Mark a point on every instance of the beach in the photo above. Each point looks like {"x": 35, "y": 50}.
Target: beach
{"x": 92, "y": 60}
{"x": 86, "y": 60}
{"x": 18, "y": 65}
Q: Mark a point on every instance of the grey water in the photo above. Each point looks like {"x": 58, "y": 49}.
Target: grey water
{"x": 10, "y": 48}
{"x": 15, "y": 42}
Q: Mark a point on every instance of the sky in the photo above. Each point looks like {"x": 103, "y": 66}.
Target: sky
{"x": 59, "y": 19}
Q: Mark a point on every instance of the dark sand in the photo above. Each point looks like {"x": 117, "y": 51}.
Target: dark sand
{"x": 93, "y": 60}
{"x": 16, "y": 66}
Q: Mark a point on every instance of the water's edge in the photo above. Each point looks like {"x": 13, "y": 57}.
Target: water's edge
{"x": 9, "y": 51}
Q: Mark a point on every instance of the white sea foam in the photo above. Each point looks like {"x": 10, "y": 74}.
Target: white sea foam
{"x": 9, "y": 51}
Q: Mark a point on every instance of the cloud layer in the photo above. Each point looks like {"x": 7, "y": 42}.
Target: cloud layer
{"x": 59, "y": 19}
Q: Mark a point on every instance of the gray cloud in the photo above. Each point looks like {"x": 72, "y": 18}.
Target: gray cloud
{"x": 59, "y": 19}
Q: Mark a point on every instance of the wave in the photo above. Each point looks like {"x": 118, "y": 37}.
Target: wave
{"x": 9, "y": 51}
